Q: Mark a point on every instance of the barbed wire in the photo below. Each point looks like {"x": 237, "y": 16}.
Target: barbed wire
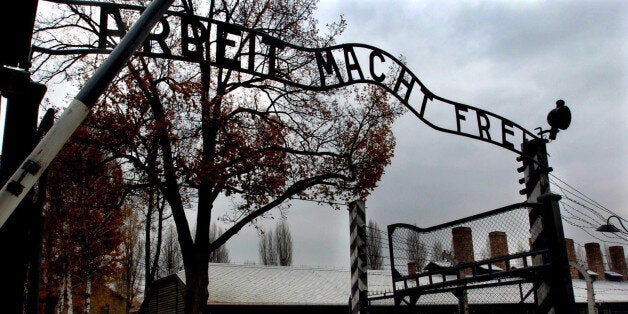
{"x": 586, "y": 214}
{"x": 578, "y": 192}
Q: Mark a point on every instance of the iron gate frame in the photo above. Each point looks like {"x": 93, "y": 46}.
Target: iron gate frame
{"x": 412, "y": 290}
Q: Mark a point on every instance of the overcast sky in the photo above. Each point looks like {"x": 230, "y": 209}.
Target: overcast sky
{"x": 512, "y": 58}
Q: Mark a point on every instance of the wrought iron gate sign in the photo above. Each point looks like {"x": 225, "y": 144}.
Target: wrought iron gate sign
{"x": 215, "y": 43}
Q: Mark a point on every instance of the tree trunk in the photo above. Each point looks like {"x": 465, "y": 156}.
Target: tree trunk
{"x": 196, "y": 293}
{"x": 68, "y": 292}
{"x": 148, "y": 280}
{"x": 160, "y": 217}
{"x": 88, "y": 294}
{"x": 62, "y": 294}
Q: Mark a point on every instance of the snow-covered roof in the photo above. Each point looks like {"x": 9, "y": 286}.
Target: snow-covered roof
{"x": 305, "y": 285}
{"x": 284, "y": 285}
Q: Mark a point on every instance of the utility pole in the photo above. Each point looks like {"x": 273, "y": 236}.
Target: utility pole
{"x": 18, "y": 237}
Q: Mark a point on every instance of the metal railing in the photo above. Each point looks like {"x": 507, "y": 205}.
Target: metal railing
{"x": 484, "y": 258}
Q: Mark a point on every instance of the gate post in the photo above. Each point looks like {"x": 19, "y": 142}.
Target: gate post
{"x": 555, "y": 292}
{"x": 357, "y": 227}
{"x": 19, "y": 235}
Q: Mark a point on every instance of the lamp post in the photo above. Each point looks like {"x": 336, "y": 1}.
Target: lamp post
{"x": 608, "y": 227}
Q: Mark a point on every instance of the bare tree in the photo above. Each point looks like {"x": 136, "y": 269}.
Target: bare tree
{"x": 275, "y": 248}
{"x": 221, "y": 254}
{"x": 267, "y": 251}
{"x": 171, "y": 260}
{"x": 155, "y": 204}
{"x": 283, "y": 244}
{"x": 416, "y": 250}
{"x": 128, "y": 282}
{"x": 375, "y": 259}
{"x": 437, "y": 252}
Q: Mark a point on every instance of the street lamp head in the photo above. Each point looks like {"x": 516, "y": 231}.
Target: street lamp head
{"x": 608, "y": 227}
{"x": 559, "y": 118}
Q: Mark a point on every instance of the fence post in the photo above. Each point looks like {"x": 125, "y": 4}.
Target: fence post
{"x": 357, "y": 237}
{"x": 590, "y": 293}
{"x": 555, "y": 293}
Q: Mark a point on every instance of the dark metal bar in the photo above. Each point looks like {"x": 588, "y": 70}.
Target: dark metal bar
{"x": 492, "y": 260}
{"x": 467, "y": 219}
{"x": 16, "y": 31}
{"x": 20, "y": 236}
{"x": 424, "y": 291}
{"x": 390, "y": 230}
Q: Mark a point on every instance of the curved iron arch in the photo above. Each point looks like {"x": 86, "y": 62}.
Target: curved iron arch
{"x": 326, "y": 67}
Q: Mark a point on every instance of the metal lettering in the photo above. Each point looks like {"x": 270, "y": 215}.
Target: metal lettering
{"x": 459, "y": 116}
{"x": 329, "y": 66}
{"x": 224, "y": 31}
{"x": 234, "y": 41}
{"x": 352, "y": 64}
{"x": 159, "y": 38}
{"x": 378, "y": 78}
{"x": 251, "y": 52}
{"x": 483, "y": 125}
{"x": 198, "y": 39}
{"x": 273, "y": 45}
{"x": 507, "y": 129}
{"x": 105, "y": 31}
{"x": 408, "y": 84}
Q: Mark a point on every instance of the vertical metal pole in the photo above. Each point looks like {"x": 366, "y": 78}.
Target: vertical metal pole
{"x": 359, "y": 283}
{"x": 394, "y": 272}
{"x": 19, "y": 235}
{"x": 555, "y": 293}
{"x": 560, "y": 274}
{"x": 25, "y": 177}
{"x": 17, "y": 19}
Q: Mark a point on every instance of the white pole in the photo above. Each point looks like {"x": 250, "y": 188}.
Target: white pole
{"x": 590, "y": 293}
{"x": 42, "y": 155}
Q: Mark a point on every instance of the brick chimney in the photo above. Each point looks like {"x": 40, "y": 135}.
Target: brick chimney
{"x": 463, "y": 246}
{"x": 571, "y": 255}
{"x": 498, "y": 244}
{"x": 411, "y": 268}
{"x": 594, "y": 259}
{"x": 618, "y": 261}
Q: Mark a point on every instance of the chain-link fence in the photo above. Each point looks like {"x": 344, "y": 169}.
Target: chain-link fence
{"x": 483, "y": 259}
